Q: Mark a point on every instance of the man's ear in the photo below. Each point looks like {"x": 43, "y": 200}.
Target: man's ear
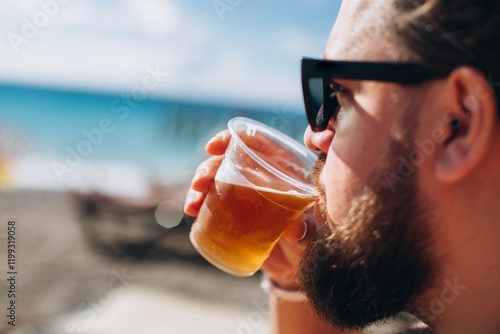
{"x": 468, "y": 123}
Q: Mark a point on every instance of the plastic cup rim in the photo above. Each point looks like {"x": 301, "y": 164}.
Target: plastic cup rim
{"x": 288, "y": 141}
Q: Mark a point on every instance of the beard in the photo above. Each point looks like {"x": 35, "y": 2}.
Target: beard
{"x": 375, "y": 262}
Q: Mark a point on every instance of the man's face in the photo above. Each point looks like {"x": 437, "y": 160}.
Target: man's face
{"x": 376, "y": 261}
{"x": 372, "y": 259}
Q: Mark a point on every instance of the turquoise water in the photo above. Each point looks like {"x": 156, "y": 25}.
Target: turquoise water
{"x": 68, "y": 131}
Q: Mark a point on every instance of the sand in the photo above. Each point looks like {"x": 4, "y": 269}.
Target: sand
{"x": 61, "y": 273}
{"x": 125, "y": 274}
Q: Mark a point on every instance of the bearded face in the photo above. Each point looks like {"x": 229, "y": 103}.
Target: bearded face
{"x": 376, "y": 261}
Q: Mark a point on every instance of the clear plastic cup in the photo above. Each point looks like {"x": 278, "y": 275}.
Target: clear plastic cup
{"x": 263, "y": 184}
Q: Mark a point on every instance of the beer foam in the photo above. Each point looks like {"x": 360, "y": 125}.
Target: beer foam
{"x": 229, "y": 173}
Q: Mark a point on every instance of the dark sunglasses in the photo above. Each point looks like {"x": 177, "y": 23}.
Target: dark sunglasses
{"x": 321, "y": 100}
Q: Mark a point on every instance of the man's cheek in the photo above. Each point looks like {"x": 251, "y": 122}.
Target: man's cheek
{"x": 335, "y": 179}
{"x": 348, "y": 120}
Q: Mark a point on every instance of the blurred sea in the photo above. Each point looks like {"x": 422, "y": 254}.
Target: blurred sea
{"x": 52, "y": 139}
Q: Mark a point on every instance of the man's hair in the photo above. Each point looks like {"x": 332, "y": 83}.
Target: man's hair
{"x": 445, "y": 34}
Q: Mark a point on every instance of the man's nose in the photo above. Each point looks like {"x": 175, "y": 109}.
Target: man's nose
{"x": 319, "y": 141}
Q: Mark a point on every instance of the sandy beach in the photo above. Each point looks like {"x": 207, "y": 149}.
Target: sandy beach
{"x": 60, "y": 274}
{"x": 67, "y": 284}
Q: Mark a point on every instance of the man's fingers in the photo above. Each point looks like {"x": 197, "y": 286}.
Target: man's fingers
{"x": 202, "y": 181}
{"x": 193, "y": 203}
{"x": 218, "y": 144}
{"x": 281, "y": 265}
{"x": 296, "y": 231}
{"x": 301, "y": 231}
{"x": 205, "y": 174}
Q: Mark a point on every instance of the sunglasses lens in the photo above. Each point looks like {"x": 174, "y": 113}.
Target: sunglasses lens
{"x": 316, "y": 95}
{"x": 322, "y": 104}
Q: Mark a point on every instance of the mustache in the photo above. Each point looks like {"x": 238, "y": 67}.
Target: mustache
{"x": 320, "y": 208}
{"x": 318, "y": 169}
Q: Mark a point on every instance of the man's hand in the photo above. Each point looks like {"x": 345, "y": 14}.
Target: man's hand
{"x": 281, "y": 266}
{"x": 205, "y": 173}
{"x": 282, "y": 263}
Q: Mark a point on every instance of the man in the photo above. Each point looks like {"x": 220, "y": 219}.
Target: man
{"x": 407, "y": 174}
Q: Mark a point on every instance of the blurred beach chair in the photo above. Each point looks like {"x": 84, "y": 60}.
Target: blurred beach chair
{"x": 149, "y": 227}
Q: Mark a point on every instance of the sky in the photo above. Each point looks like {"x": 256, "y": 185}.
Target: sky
{"x": 238, "y": 51}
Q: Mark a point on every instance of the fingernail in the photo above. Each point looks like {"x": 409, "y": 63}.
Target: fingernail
{"x": 191, "y": 196}
{"x": 200, "y": 172}
{"x": 305, "y": 231}
{"x": 214, "y": 139}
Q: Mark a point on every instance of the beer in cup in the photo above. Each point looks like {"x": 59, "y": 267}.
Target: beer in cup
{"x": 263, "y": 184}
